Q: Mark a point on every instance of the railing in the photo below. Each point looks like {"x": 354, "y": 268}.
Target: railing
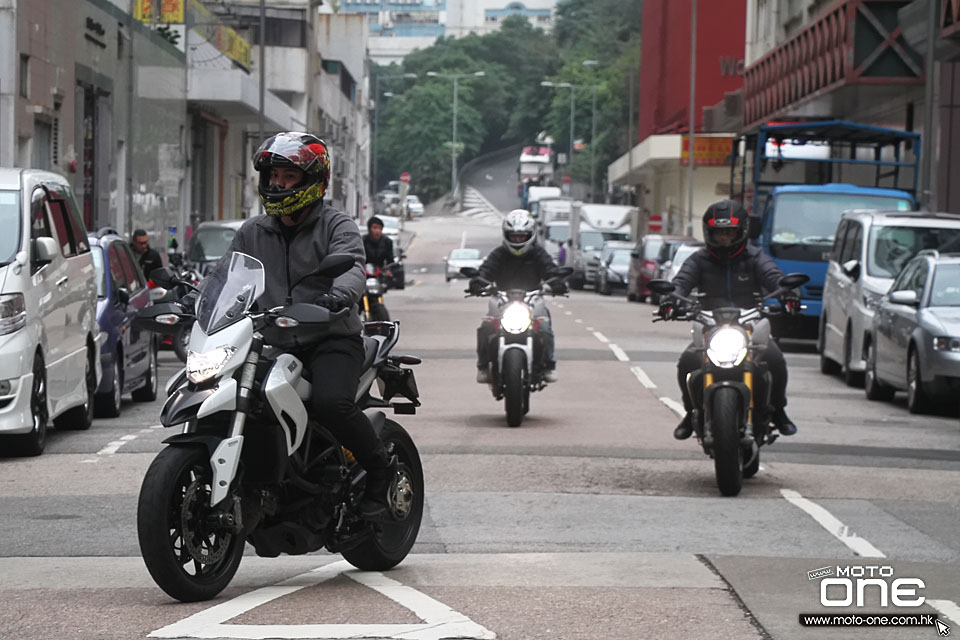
{"x": 854, "y": 42}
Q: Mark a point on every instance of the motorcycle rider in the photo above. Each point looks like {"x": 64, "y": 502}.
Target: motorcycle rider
{"x": 729, "y": 271}
{"x": 298, "y": 231}
{"x": 518, "y": 263}
{"x": 378, "y": 247}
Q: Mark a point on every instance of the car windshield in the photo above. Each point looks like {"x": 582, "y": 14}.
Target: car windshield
{"x": 10, "y": 223}
{"x": 465, "y": 254}
{"x": 652, "y": 248}
{"x": 593, "y": 240}
{"x": 945, "y": 289}
{"x": 558, "y": 233}
{"x": 413, "y": 199}
{"x": 621, "y": 258}
{"x": 97, "y": 254}
{"x": 892, "y": 246}
{"x": 812, "y": 218}
{"x": 210, "y": 243}
{"x": 226, "y": 296}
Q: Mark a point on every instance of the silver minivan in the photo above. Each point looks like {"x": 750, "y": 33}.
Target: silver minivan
{"x": 869, "y": 250}
{"x": 49, "y": 335}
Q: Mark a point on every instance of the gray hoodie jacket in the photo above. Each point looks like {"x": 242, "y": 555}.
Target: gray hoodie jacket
{"x": 323, "y": 232}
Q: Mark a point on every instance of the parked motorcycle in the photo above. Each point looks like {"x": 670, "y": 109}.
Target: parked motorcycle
{"x": 731, "y": 392}
{"x": 177, "y": 338}
{"x": 516, "y": 353}
{"x": 250, "y": 465}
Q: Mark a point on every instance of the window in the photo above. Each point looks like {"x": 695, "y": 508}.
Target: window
{"x": 945, "y": 288}
{"x": 61, "y": 223}
{"x": 851, "y": 244}
{"x": 11, "y": 224}
{"x": 116, "y": 267}
{"x": 133, "y": 275}
{"x": 902, "y": 281}
{"x": 892, "y": 246}
{"x": 101, "y": 273}
{"x": 76, "y": 226}
{"x": 838, "y": 241}
{"x": 24, "y": 75}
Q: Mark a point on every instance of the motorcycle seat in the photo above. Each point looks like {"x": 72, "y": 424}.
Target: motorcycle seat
{"x": 370, "y": 349}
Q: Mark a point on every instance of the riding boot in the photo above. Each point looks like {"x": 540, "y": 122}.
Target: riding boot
{"x": 783, "y": 424}
{"x": 380, "y": 473}
{"x": 685, "y": 429}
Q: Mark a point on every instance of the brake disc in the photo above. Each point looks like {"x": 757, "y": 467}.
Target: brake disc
{"x": 204, "y": 544}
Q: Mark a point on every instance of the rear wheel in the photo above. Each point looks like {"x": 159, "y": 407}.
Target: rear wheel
{"x": 852, "y": 378}
{"x": 151, "y": 384}
{"x": 872, "y": 387}
{"x": 827, "y": 366}
{"x": 80, "y": 418}
{"x": 514, "y": 374}
{"x": 917, "y": 399}
{"x": 726, "y": 418}
{"x": 189, "y": 557}
{"x": 107, "y": 405}
{"x": 393, "y": 539}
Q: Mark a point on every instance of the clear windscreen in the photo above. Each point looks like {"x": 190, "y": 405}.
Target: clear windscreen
{"x": 227, "y": 295}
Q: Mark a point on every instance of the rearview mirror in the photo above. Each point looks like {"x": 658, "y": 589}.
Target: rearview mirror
{"x": 45, "y": 249}
{"x": 793, "y": 280}
{"x": 851, "y": 268}
{"x": 470, "y": 272}
{"x": 123, "y": 296}
{"x": 908, "y": 298}
{"x": 335, "y": 264}
{"x": 564, "y": 272}
{"x": 163, "y": 277}
{"x": 662, "y": 287}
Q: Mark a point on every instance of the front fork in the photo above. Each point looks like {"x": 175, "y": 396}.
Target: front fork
{"x": 226, "y": 457}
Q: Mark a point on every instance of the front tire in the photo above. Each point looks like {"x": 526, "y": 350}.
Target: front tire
{"x": 827, "y": 366}
{"x": 393, "y": 539}
{"x": 917, "y": 399}
{"x": 726, "y": 418}
{"x": 379, "y": 312}
{"x": 851, "y": 378}
{"x": 33, "y": 443}
{"x": 189, "y": 558}
{"x": 872, "y": 387}
{"x": 514, "y": 374}
{"x": 80, "y": 418}
{"x": 107, "y": 405}
{"x": 151, "y": 384}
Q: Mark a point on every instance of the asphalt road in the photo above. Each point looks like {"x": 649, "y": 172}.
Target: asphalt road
{"x": 588, "y": 521}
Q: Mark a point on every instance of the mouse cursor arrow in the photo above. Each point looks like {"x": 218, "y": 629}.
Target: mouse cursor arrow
{"x": 942, "y": 628}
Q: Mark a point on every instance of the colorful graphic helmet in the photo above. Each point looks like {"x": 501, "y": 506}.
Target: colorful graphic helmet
{"x": 519, "y": 231}
{"x": 721, "y": 217}
{"x": 292, "y": 149}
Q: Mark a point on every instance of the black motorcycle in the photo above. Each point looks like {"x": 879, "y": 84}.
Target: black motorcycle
{"x": 731, "y": 391}
{"x": 379, "y": 280}
{"x": 515, "y": 349}
{"x": 248, "y": 463}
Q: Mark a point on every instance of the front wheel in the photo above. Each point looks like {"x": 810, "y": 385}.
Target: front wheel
{"x": 872, "y": 387}
{"x": 726, "y": 418}
{"x": 189, "y": 557}
{"x": 393, "y": 539}
{"x": 379, "y": 312}
{"x": 514, "y": 374}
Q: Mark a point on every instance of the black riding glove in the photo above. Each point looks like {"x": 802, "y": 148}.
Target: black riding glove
{"x": 791, "y": 303}
{"x": 477, "y": 286}
{"x": 332, "y": 302}
{"x": 558, "y": 287}
{"x": 669, "y": 310}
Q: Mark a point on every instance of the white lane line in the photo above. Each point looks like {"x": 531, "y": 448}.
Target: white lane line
{"x": 589, "y": 328}
{"x": 599, "y": 336}
{"x": 569, "y": 313}
{"x": 675, "y": 406}
{"x": 834, "y": 527}
{"x": 620, "y": 353}
{"x": 643, "y": 377}
{"x": 578, "y": 321}
{"x": 947, "y": 608}
{"x": 439, "y": 620}
{"x": 113, "y": 447}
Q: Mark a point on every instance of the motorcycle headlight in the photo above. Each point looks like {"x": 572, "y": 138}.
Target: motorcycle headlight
{"x": 516, "y": 318}
{"x": 372, "y": 283}
{"x": 203, "y": 366}
{"x": 727, "y": 348}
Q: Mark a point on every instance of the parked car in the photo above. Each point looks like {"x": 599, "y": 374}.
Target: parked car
{"x": 668, "y": 250}
{"x": 645, "y": 261}
{"x": 128, "y": 356}
{"x": 553, "y": 234}
{"x": 914, "y": 339}
{"x": 684, "y": 251}
{"x": 414, "y": 206}
{"x": 869, "y": 249}
{"x": 49, "y": 336}
{"x": 210, "y": 242}
{"x": 614, "y": 266}
{"x": 459, "y": 258}
{"x": 391, "y": 227}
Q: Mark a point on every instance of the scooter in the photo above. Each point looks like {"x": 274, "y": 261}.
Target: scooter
{"x": 731, "y": 392}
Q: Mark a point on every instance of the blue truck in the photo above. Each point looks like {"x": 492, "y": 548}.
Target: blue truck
{"x": 797, "y": 179}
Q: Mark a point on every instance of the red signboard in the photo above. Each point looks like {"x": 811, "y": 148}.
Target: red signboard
{"x": 655, "y": 223}
{"x": 405, "y": 177}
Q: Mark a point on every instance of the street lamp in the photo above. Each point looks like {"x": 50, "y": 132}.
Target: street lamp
{"x": 376, "y": 118}
{"x": 593, "y": 133}
{"x": 453, "y": 148}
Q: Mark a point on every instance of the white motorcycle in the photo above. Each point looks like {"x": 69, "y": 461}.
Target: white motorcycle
{"x": 250, "y": 465}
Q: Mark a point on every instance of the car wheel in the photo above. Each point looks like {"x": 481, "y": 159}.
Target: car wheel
{"x": 917, "y": 399}
{"x": 80, "y": 418}
{"x": 631, "y": 297}
{"x": 852, "y": 378}
{"x": 872, "y": 387}
{"x": 827, "y": 366}
{"x": 148, "y": 392}
{"x": 33, "y": 443}
{"x": 107, "y": 405}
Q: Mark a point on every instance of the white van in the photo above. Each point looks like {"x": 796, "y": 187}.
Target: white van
{"x": 49, "y": 335}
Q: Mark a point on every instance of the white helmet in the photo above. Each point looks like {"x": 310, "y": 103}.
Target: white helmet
{"x": 519, "y": 231}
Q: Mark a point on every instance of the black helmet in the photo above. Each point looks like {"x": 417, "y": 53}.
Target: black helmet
{"x": 723, "y": 216}
{"x": 292, "y": 149}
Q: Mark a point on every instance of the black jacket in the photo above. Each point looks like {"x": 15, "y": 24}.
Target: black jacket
{"x": 525, "y": 272}
{"x": 379, "y": 253}
{"x": 321, "y": 233}
{"x": 728, "y": 284}
{"x": 150, "y": 260}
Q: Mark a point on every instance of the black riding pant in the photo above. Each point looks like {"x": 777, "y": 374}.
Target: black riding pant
{"x": 691, "y": 360}
{"x": 335, "y": 366}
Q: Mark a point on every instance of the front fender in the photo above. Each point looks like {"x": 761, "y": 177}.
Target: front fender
{"x": 183, "y": 406}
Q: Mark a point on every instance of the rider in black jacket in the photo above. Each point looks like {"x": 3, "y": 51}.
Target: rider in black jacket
{"x": 519, "y": 263}
{"x": 378, "y": 247}
{"x": 730, "y": 273}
